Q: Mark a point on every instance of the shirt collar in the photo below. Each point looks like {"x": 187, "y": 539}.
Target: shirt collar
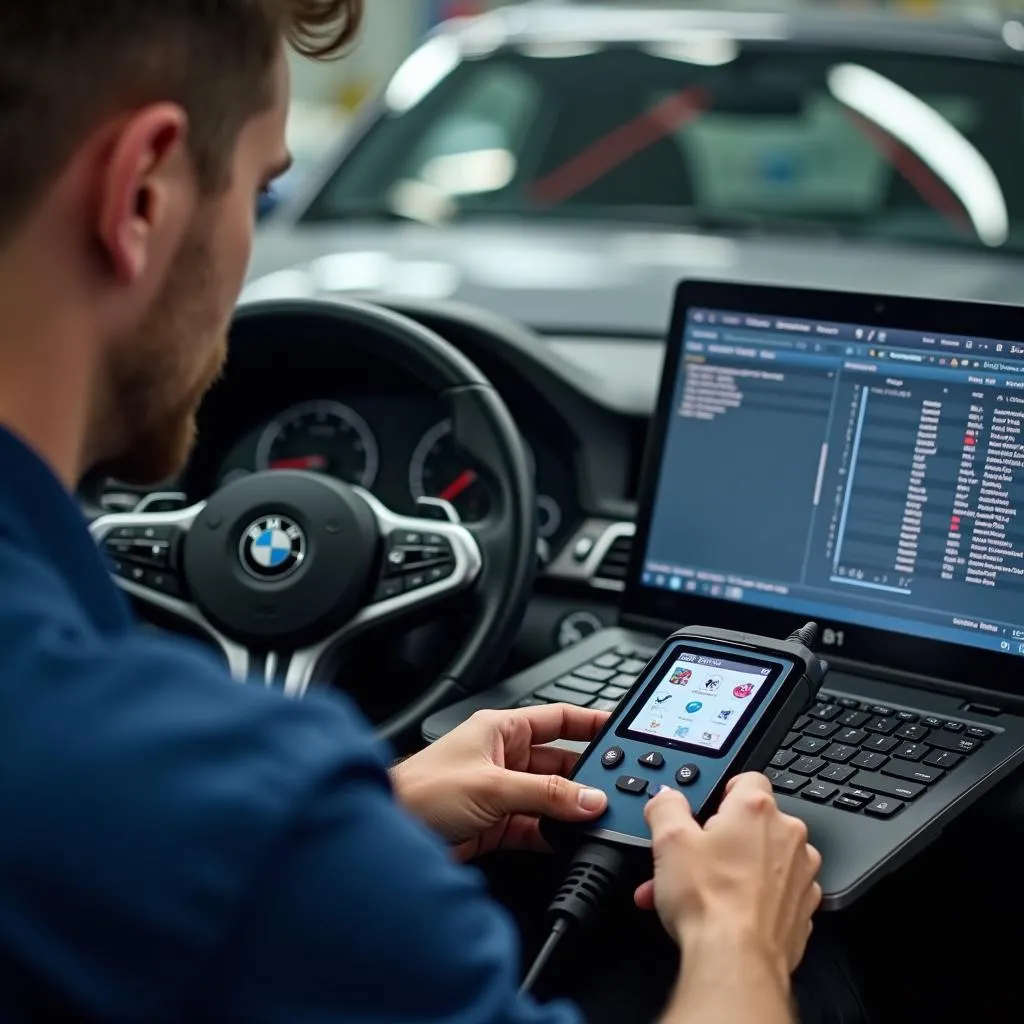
{"x": 38, "y": 514}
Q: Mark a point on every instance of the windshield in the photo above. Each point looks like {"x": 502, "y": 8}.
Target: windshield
{"x": 769, "y": 137}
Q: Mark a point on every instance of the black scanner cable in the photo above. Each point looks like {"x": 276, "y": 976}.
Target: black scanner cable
{"x": 594, "y": 870}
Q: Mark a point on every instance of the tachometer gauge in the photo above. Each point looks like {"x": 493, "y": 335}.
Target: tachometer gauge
{"x": 439, "y": 470}
{"x": 323, "y": 437}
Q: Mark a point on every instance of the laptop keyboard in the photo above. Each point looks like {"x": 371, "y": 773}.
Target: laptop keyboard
{"x": 854, "y": 755}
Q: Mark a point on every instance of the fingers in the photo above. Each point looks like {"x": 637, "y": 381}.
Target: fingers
{"x": 669, "y": 814}
{"x": 748, "y": 782}
{"x": 551, "y": 795}
{"x": 552, "y": 760}
{"x": 644, "y": 895}
{"x": 561, "y": 722}
{"x": 523, "y": 833}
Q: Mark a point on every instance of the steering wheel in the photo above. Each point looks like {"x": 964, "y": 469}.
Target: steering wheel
{"x": 282, "y": 568}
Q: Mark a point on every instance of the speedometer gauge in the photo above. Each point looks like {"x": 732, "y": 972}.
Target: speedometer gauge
{"x": 323, "y": 437}
{"x": 440, "y": 470}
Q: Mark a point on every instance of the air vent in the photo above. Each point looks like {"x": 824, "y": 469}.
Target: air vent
{"x": 612, "y": 570}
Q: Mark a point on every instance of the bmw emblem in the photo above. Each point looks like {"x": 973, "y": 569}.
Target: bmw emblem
{"x": 272, "y": 548}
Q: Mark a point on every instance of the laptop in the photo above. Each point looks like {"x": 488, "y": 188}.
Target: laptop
{"x": 857, "y": 460}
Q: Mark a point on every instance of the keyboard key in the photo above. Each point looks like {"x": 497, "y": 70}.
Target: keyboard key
{"x": 623, "y": 680}
{"x": 824, "y": 697}
{"x": 911, "y": 751}
{"x": 613, "y": 692}
{"x": 837, "y": 773}
{"x": 609, "y": 660}
{"x": 822, "y": 729}
{"x": 869, "y": 760}
{"x": 950, "y": 741}
{"x": 932, "y": 722}
{"x": 807, "y": 766}
{"x": 907, "y": 716}
{"x": 809, "y": 745}
{"x": 882, "y": 710}
{"x": 581, "y": 685}
{"x": 632, "y": 666}
{"x": 787, "y": 782}
{"x": 944, "y": 759}
{"x": 854, "y": 719}
{"x": 791, "y": 738}
{"x": 953, "y": 726}
{"x": 782, "y": 759}
{"x": 771, "y": 774}
{"x": 847, "y": 802}
{"x": 852, "y": 736}
{"x": 880, "y": 744}
{"x": 595, "y": 672}
{"x": 912, "y": 732}
{"x": 563, "y": 695}
{"x": 819, "y": 792}
{"x": 848, "y": 702}
{"x": 603, "y": 705}
{"x": 841, "y": 752}
{"x": 798, "y": 725}
{"x": 530, "y": 702}
{"x": 977, "y": 733}
{"x": 884, "y": 807}
{"x": 882, "y": 725}
{"x": 860, "y": 794}
{"x": 824, "y": 712}
{"x": 885, "y": 786}
{"x": 913, "y": 772}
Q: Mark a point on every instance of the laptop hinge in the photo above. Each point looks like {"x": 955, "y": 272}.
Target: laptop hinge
{"x": 648, "y": 625}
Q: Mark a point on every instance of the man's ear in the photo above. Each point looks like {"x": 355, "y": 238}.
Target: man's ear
{"x": 145, "y": 183}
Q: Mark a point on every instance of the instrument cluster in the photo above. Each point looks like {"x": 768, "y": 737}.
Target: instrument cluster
{"x": 402, "y": 451}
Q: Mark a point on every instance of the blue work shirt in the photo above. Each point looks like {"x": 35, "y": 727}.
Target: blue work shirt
{"x": 177, "y": 847}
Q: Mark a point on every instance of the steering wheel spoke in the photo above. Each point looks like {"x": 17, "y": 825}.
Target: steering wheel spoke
{"x": 281, "y": 594}
{"x": 144, "y": 553}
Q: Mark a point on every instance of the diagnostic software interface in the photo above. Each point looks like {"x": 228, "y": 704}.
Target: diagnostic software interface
{"x": 867, "y": 475}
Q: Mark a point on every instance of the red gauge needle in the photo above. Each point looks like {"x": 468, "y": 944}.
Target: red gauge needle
{"x": 462, "y": 482}
{"x": 300, "y": 462}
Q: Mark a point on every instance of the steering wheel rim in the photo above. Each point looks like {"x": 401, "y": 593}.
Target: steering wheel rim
{"x": 493, "y": 562}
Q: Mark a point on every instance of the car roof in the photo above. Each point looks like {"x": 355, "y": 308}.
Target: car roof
{"x": 979, "y": 34}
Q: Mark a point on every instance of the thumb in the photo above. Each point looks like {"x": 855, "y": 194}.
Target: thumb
{"x": 552, "y": 795}
{"x": 667, "y": 810}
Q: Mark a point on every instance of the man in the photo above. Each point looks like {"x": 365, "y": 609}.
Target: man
{"x": 175, "y": 847}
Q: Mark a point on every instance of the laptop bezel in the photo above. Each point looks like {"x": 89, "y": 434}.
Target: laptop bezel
{"x": 890, "y": 651}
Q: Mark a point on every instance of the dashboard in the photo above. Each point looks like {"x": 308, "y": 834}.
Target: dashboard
{"x": 401, "y": 448}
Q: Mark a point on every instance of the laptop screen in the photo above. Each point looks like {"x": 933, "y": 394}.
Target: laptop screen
{"x": 863, "y": 473}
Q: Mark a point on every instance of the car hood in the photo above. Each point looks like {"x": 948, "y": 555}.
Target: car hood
{"x": 605, "y": 279}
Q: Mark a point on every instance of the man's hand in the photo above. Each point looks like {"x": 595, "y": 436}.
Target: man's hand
{"x": 745, "y": 882}
{"x": 485, "y": 784}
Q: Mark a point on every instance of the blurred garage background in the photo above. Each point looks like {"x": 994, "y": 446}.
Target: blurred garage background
{"x": 327, "y": 96}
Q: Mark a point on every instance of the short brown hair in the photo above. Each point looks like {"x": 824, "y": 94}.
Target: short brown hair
{"x": 65, "y": 65}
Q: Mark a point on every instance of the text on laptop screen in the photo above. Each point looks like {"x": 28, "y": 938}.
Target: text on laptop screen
{"x": 851, "y": 473}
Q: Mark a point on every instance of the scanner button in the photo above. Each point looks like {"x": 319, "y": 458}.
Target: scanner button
{"x": 612, "y": 756}
{"x": 652, "y": 760}
{"x": 631, "y": 784}
{"x": 687, "y": 774}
